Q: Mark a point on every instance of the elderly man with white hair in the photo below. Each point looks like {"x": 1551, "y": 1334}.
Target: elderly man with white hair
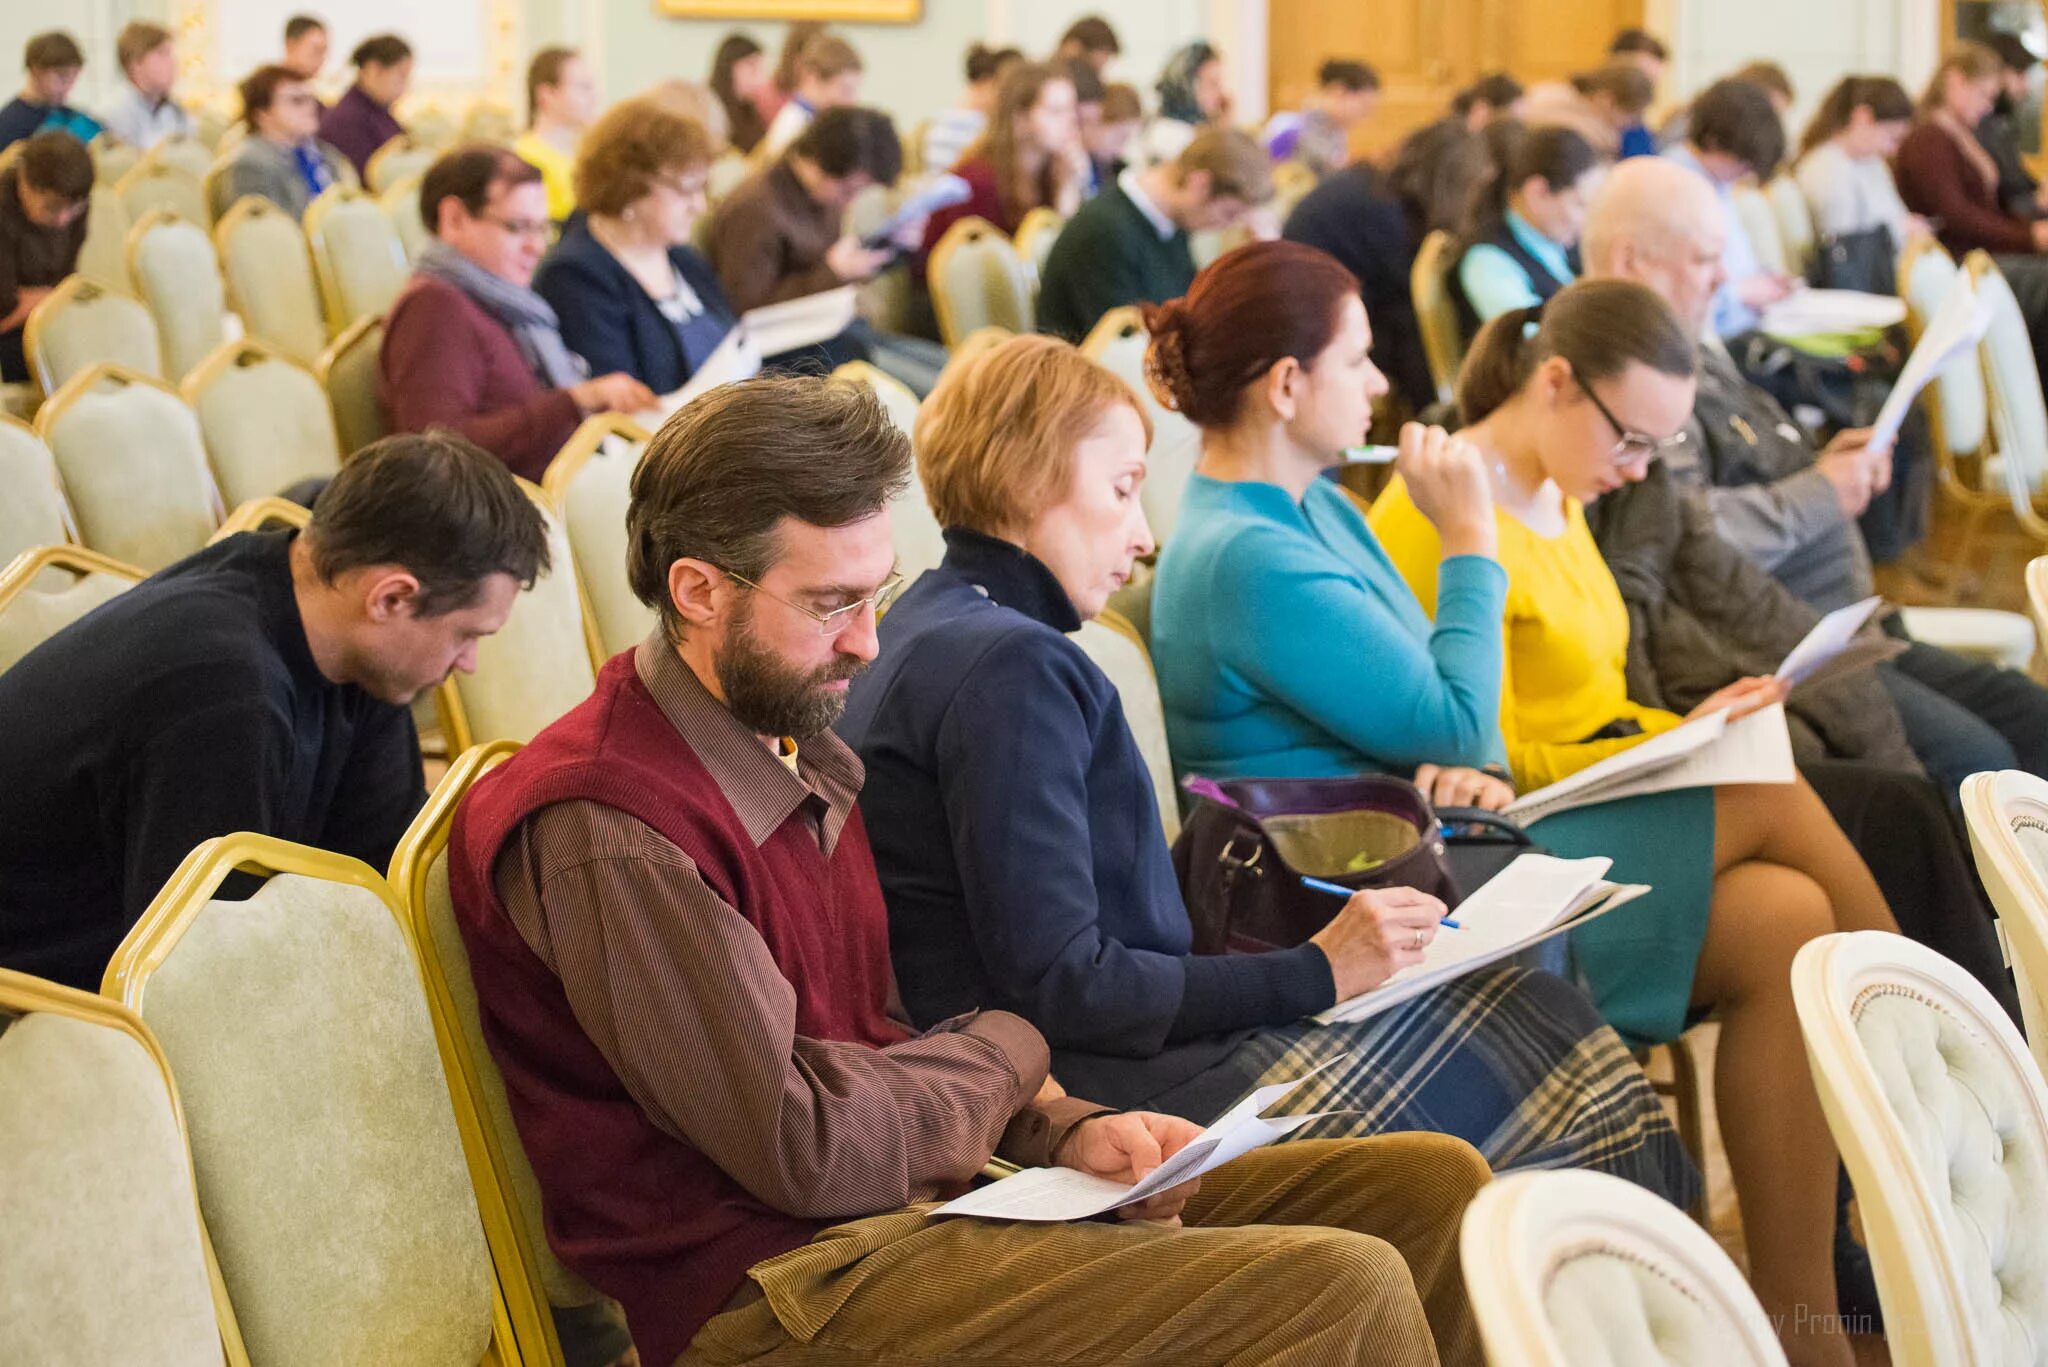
{"x": 1789, "y": 508}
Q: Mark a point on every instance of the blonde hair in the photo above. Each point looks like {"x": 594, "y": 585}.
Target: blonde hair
{"x": 1971, "y": 61}
{"x": 995, "y": 441}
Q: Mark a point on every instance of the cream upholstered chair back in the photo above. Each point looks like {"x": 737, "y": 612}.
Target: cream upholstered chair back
{"x": 332, "y": 1171}
{"x": 1443, "y": 339}
{"x": 919, "y": 541}
{"x": 528, "y": 1268}
{"x": 590, "y": 480}
{"x": 177, "y": 276}
{"x": 402, "y": 205}
{"x": 106, "y": 1257}
{"x": 1942, "y": 1119}
{"x": 2007, "y": 813}
{"x": 112, "y": 158}
{"x": 1118, "y": 344}
{"x": 1119, "y": 651}
{"x": 1582, "y": 1269}
{"x": 396, "y": 160}
{"x": 541, "y": 663}
{"x": 728, "y": 169}
{"x": 187, "y": 156}
{"x": 2019, "y": 417}
{"x": 357, "y": 254}
{"x": 2037, "y": 592}
{"x": 155, "y": 185}
{"x": 262, "y": 515}
{"x": 46, "y": 589}
{"x": 81, "y": 323}
{"x": 1759, "y": 223}
{"x": 1960, "y": 408}
{"x": 1795, "y": 222}
{"x": 133, "y": 466}
{"x": 1206, "y": 244}
{"x": 270, "y": 278}
{"x": 265, "y": 420}
{"x": 1292, "y": 182}
{"x": 347, "y": 370}
{"x": 34, "y": 512}
{"x": 104, "y": 257}
{"x": 489, "y": 121}
{"x": 978, "y": 280}
{"x": 430, "y": 125}
{"x": 1035, "y": 236}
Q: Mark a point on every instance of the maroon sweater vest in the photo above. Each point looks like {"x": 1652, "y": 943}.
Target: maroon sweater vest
{"x": 642, "y": 1216}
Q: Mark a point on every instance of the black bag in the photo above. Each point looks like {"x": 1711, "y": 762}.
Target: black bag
{"x": 1866, "y": 261}
{"x": 1846, "y": 391}
{"x": 1247, "y": 843}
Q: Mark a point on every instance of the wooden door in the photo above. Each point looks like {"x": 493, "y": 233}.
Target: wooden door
{"x": 1427, "y": 50}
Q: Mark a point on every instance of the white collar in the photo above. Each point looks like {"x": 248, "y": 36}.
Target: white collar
{"x": 1161, "y": 224}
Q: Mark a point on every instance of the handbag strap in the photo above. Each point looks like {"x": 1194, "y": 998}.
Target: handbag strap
{"x": 1453, "y": 817}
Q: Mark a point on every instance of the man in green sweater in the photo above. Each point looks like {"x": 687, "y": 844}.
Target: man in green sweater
{"x": 1129, "y": 244}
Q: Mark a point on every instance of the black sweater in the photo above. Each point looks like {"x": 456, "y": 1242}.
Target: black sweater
{"x": 186, "y": 708}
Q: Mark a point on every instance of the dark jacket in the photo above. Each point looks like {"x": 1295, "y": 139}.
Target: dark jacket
{"x": 768, "y": 240}
{"x": 1702, "y": 615}
{"x": 357, "y": 126}
{"x": 1354, "y": 217}
{"x": 1999, "y": 134}
{"x": 1109, "y": 255}
{"x": 1019, "y": 845}
{"x": 31, "y": 257}
{"x": 610, "y": 321}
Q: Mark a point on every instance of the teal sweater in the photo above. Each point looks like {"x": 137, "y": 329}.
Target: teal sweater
{"x": 1288, "y": 645}
{"x": 1109, "y": 255}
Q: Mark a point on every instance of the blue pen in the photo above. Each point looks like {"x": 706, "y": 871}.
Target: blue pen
{"x": 1341, "y": 891}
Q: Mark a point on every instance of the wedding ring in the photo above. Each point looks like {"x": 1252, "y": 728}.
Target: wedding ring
{"x": 1418, "y": 939}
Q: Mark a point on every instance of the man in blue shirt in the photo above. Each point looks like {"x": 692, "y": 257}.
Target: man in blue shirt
{"x": 53, "y": 62}
{"x": 1734, "y": 131}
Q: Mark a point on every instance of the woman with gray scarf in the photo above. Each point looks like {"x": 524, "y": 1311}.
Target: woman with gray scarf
{"x": 1192, "y": 92}
{"x": 469, "y": 345}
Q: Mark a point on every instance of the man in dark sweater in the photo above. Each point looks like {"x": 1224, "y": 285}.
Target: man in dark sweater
{"x": 259, "y": 685}
{"x": 53, "y": 62}
{"x": 1129, "y": 245}
{"x": 43, "y": 201}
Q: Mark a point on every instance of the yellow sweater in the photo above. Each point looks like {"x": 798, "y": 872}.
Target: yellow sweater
{"x": 556, "y": 173}
{"x": 1566, "y": 648}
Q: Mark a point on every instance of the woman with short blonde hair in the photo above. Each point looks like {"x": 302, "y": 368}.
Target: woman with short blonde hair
{"x": 1019, "y": 844}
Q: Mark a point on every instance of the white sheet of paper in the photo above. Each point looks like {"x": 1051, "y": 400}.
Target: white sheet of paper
{"x": 734, "y": 358}
{"x": 1958, "y": 324}
{"x": 1756, "y": 749}
{"x": 793, "y": 323}
{"x": 922, "y": 200}
{"x": 1829, "y": 637}
{"x": 1060, "y": 1194}
{"x": 1805, "y": 312}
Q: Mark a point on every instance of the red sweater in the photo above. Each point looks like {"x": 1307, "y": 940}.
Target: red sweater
{"x": 447, "y": 363}
{"x": 639, "y": 1213}
{"x": 982, "y": 201}
{"x": 1937, "y": 181}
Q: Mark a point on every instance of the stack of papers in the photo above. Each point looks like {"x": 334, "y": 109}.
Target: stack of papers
{"x": 1059, "y": 1194}
{"x": 769, "y": 330}
{"x": 1959, "y": 323}
{"x": 1805, "y": 313}
{"x": 1700, "y": 754}
{"x": 1530, "y": 900}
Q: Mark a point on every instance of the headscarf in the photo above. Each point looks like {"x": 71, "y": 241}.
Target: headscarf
{"x": 1177, "y": 83}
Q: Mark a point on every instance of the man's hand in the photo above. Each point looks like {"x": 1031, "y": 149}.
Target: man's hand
{"x": 1763, "y": 289}
{"x": 1854, "y": 474}
{"x": 1126, "y": 1148}
{"x": 1741, "y": 698}
{"x": 617, "y": 392}
{"x": 1457, "y": 786}
{"x": 850, "y": 261}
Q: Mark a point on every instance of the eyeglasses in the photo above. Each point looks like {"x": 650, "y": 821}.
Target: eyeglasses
{"x": 1630, "y": 446}
{"x": 839, "y": 619}
{"x": 683, "y": 187}
{"x": 520, "y": 227}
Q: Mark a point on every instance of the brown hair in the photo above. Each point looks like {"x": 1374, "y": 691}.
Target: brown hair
{"x": 1247, "y": 311}
{"x": 1884, "y": 97}
{"x": 138, "y": 39}
{"x": 299, "y": 25}
{"x": 439, "y": 505}
{"x": 1601, "y": 327}
{"x": 467, "y": 175}
{"x": 545, "y": 69}
{"x": 1017, "y": 187}
{"x": 828, "y": 55}
{"x": 697, "y": 103}
{"x": 56, "y": 162}
{"x": 1971, "y": 61}
{"x": 721, "y": 475}
{"x": 54, "y": 51}
{"x": 1238, "y": 166}
{"x": 1768, "y": 77}
{"x": 743, "y": 122}
{"x": 631, "y": 145}
{"x": 1121, "y": 103}
{"x": 1638, "y": 41}
{"x": 259, "y": 90}
{"x": 995, "y": 441}
{"x": 1092, "y": 33}
{"x": 1627, "y": 85}
{"x": 1437, "y": 171}
{"x": 848, "y": 139}
{"x": 380, "y": 49}
{"x": 1735, "y": 118}
{"x": 793, "y": 40}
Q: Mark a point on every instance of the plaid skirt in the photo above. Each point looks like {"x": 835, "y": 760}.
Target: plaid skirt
{"x": 1517, "y": 1064}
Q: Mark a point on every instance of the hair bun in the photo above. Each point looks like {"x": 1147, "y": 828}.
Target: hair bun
{"x": 1166, "y": 357}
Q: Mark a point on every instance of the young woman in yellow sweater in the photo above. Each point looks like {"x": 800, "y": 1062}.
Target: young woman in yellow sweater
{"x": 1563, "y": 413}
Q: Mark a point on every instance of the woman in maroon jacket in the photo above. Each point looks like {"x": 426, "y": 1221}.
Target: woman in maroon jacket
{"x": 1030, "y": 156}
{"x": 1946, "y": 176}
{"x": 469, "y": 345}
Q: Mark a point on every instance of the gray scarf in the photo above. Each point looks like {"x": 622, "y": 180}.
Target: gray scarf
{"x": 525, "y": 315}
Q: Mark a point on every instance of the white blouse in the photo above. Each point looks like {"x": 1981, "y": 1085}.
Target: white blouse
{"x": 1850, "y": 194}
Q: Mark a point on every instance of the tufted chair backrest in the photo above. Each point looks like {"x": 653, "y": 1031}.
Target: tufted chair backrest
{"x": 1942, "y": 1119}
{"x": 1581, "y": 1269}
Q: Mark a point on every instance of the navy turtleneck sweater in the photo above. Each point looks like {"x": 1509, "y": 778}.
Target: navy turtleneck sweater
{"x": 1020, "y": 850}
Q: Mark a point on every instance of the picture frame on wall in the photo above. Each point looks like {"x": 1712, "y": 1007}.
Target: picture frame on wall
{"x": 828, "y": 11}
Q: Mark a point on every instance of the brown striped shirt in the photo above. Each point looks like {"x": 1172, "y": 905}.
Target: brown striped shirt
{"x": 684, "y": 999}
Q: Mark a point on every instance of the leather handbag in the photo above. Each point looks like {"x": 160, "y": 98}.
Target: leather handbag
{"x": 1247, "y": 843}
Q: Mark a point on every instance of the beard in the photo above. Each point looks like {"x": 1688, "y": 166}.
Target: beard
{"x": 768, "y": 696}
